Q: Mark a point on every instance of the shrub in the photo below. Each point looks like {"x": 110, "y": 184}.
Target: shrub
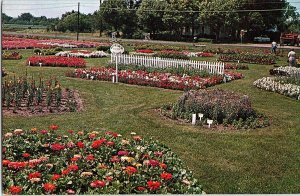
{"x": 221, "y": 106}
{"x": 44, "y": 162}
{"x": 104, "y": 48}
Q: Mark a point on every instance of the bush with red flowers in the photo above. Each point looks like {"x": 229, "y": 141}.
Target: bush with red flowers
{"x": 56, "y": 61}
{"x": 70, "y": 164}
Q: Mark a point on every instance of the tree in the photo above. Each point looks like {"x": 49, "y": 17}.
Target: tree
{"x": 26, "y": 17}
{"x": 114, "y": 13}
{"x": 69, "y": 22}
{"x": 150, "y": 14}
{"x": 6, "y": 18}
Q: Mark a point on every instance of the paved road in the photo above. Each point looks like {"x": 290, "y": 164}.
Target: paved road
{"x": 90, "y": 38}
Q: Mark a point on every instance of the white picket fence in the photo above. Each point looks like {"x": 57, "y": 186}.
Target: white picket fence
{"x": 157, "y": 62}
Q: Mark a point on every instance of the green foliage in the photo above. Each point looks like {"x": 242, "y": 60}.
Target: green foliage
{"x": 179, "y": 71}
{"x": 223, "y": 107}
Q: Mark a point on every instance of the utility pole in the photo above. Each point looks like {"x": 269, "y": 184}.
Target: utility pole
{"x": 100, "y": 31}
{"x": 78, "y": 21}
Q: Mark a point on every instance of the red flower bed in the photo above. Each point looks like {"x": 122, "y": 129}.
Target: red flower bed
{"x": 205, "y": 54}
{"x": 10, "y": 42}
{"x": 56, "y": 61}
{"x": 155, "y": 79}
{"x": 145, "y": 51}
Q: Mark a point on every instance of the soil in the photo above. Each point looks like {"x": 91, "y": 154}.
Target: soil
{"x": 42, "y": 108}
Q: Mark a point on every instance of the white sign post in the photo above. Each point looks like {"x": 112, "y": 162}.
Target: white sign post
{"x": 116, "y": 49}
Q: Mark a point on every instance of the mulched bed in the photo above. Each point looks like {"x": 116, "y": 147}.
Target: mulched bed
{"x": 43, "y": 109}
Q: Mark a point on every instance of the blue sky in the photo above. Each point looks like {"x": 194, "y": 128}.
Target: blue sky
{"x": 55, "y": 8}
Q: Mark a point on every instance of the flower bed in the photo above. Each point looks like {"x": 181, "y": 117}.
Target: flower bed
{"x": 223, "y": 107}
{"x": 249, "y": 58}
{"x": 155, "y": 79}
{"x": 270, "y": 84}
{"x": 10, "y": 42}
{"x": 147, "y": 51}
{"x": 41, "y": 161}
{"x": 286, "y": 71}
{"x": 23, "y": 96}
{"x": 171, "y": 54}
{"x": 56, "y": 61}
{"x": 82, "y": 54}
{"x": 11, "y": 55}
{"x": 236, "y": 66}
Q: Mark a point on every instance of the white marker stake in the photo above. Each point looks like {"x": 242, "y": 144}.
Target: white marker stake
{"x": 209, "y": 122}
{"x": 193, "y": 119}
{"x": 40, "y": 64}
{"x": 200, "y": 116}
{"x": 29, "y": 63}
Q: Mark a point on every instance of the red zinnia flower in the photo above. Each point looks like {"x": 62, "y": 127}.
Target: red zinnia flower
{"x": 123, "y": 152}
{"x": 71, "y": 131}
{"x": 115, "y": 159}
{"x": 74, "y": 159}
{"x": 34, "y": 175}
{"x": 131, "y": 170}
{"x": 80, "y": 144}
{"x": 71, "y": 192}
{"x": 166, "y": 176}
{"x": 49, "y": 187}
{"x": 109, "y": 178}
{"x": 158, "y": 154}
{"x": 65, "y": 172}
{"x": 110, "y": 143}
{"x": 5, "y": 162}
{"x": 140, "y": 188}
{"x": 26, "y": 155}
{"x": 44, "y": 132}
{"x": 17, "y": 165}
{"x": 97, "y": 183}
{"x": 57, "y": 147}
{"x": 153, "y": 185}
{"x": 55, "y": 177}
{"x": 98, "y": 143}
{"x": 15, "y": 189}
{"x": 53, "y": 127}
{"x": 162, "y": 165}
{"x": 90, "y": 157}
{"x": 73, "y": 167}
{"x": 153, "y": 162}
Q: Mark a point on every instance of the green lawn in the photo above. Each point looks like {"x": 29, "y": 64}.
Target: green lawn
{"x": 253, "y": 161}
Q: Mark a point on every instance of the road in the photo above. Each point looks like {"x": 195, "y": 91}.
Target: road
{"x": 90, "y": 38}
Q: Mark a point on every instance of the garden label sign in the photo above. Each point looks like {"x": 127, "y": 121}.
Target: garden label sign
{"x": 116, "y": 49}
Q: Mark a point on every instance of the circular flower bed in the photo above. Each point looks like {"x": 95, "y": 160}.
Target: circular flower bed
{"x": 44, "y": 162}
{"x": 223, "y": 107}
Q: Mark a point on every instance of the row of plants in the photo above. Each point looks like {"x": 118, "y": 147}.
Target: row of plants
{"x": 280, "y": 85}
{"x": 173, "y": 53}
{"x": 8, "y": 55}
{"x": 82, "y": 54}
{"x": 178, "y": 71}
{"x": 249, "y": 58}
{"x": 23, "y": 94}
{"x": 286, "y": 71}
{"x": 51, "y": 51}
{"x": 10, "y": 42}
{"x": 225, "y": 108}
{"x": 236, "y": 66}
{"x": 155, "y": 79}
{"x": 41, "y": 161}
{"x": 56, "y": 61}
{"x": 158, "y": 47}
{"x": 238, "y": 51}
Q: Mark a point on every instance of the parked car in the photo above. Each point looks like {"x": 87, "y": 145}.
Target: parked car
{"x": 263, "y": 38}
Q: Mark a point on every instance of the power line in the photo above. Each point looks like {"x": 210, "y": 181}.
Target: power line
{"x": 37, "y": 8}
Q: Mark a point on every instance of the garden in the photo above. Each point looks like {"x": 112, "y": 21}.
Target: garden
{"x": 132, "y": 137}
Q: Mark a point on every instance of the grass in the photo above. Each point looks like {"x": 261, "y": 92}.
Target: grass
{"x": 245, "y": 161}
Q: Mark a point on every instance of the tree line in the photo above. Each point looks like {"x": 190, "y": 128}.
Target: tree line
{"x": 165, "y": 19}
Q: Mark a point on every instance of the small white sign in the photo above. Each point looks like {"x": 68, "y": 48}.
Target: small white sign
{"x": 193, "y": 119}
{"x": 116, "y": 49}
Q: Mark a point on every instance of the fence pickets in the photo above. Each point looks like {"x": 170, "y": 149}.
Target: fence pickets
{"x": 157, "y": 62}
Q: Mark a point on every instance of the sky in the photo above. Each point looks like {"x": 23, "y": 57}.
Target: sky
{"x": 55, "y": 8}
{"x": 48, "y": 8}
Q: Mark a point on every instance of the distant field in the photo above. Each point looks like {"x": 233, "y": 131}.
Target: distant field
{"x": 22, "y": 27}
